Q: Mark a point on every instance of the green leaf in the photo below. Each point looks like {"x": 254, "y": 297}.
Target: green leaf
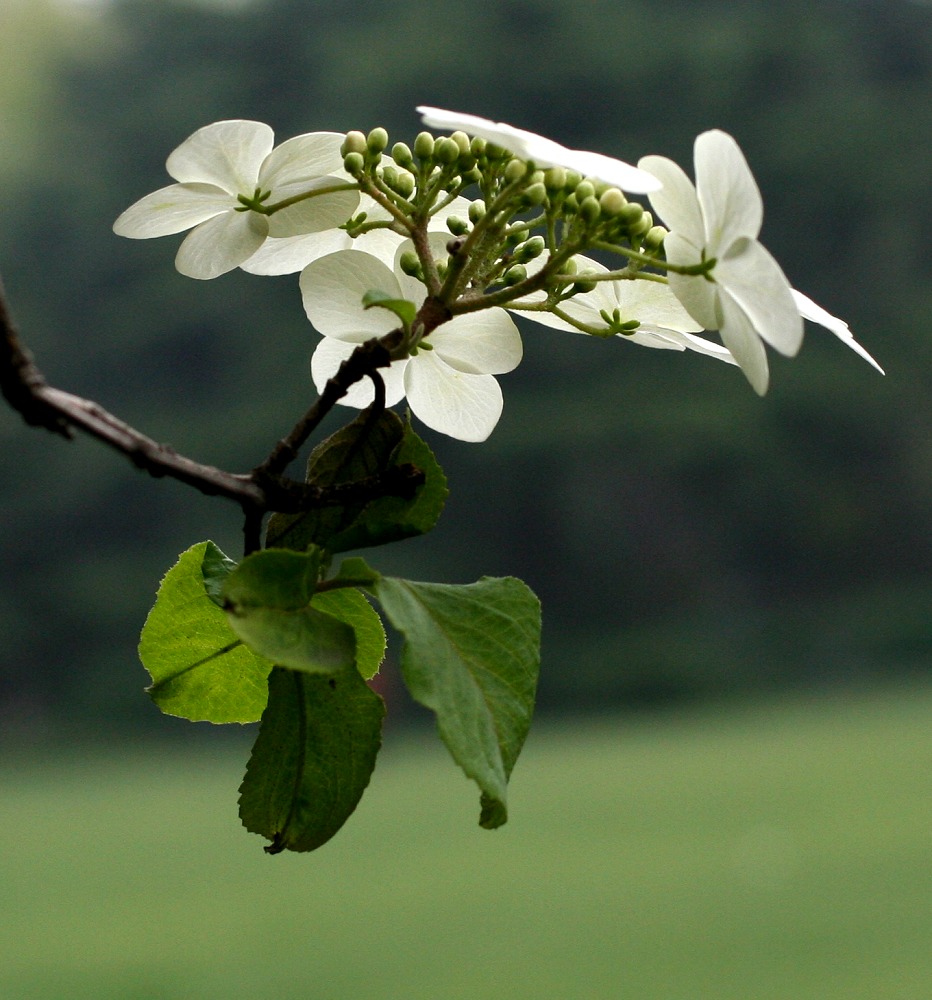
{"x": 391, "y": 519}
{"x": 268, "y": 604}
{"x": 402, "y": 308}
{"x": 200, "y": 668}
{"x": 216, "y": 566}
{"x": 368, "y": 446}
{"x": 361, "y": 449}
{"x": 313, "y": 758}
{"x": 350, "y": 606}
{"x": 472, "y": 656}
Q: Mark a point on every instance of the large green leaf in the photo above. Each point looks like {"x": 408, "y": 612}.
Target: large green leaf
{"x": 313, "y": 758}
{"x": 268, "y": 605}
{"x": 369, "y": 446}
{"x": 200, "y": 668}
{"x": 472, "y": 656}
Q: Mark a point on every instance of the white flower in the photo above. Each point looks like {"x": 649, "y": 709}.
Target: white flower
{"x": 664, "y": 323}
{"x": 541, "y": 151}
{"x": 450, "y": 387}
{"x": 226, "y": 160}
{"x": 746, "y": 296}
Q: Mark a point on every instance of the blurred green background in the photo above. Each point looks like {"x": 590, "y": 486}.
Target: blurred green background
{"x": 688, "y": 540}
{"x": 693, "y": 545}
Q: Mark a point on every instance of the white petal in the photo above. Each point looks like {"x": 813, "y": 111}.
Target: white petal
{"x": 741, "y": 338}
{"x": 542, "y": 151}
{"x": 228, "y": 154}
{"x": 330, "y": 354}
{"x": 481, "y": 343}
{"x": 303, "y": 158}
{"x": 313, "y": 215}
{"x": 695, "y": 292}
{"x": 171, "y": 210}
{"x": 811, "y": 311}
{"x": 676, "y": 202}
{"x": 333, "y": 287}
{"x": 708, "y": 347}
{"x": 653, "y": 303}
{"x": 729, "y": 196}
{"x": 755, "y": 281}
{"x": 549, "y": 320}
{"x": 607, "y": 168}
{"x": 220, "y": 244}
{"x": 464, "y": 406}
{"x": 293, "y": 253}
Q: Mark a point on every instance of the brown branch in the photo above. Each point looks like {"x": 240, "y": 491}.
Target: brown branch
{"x": 262, "y": 490}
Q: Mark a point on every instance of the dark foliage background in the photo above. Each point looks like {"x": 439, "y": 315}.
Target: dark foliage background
{"x": 687, "y": 539}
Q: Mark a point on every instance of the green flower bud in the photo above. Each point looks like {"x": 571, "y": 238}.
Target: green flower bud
{"x": 590, "y": 209}
{"x": 643, "y": 225}
{"x": 630, "y": 214}
{"x": 457, "y": 226}
{"x": 476, "y": 211}
{"x": 570, "y": 204}
{"x": 446, "y": 150}
{"x": 584, "y": 190}
{"x": 390, "y": 177}
{"x": 353, "y": 142}
{"x": 477, "y": 146}
{"x": 570, "y": 266}
{"x": 462, "y": 141}
{"x": 405, "y": 184}
{"x": 612, "y": 201}
{"x": 410, "y": 263}
{"x": 515, "y": 170}
{"x": 424, "y": 146}
{"x": 354, "y": 164}
{"x": 581, "y": 287}
{"x": 654, "y": 237}
{"x": 536, "y": 194}
{"x": 572, "y": 179}
{"x": 555, "y": 178}
{"x": 530, "y": 250}
{"x": 517, "y": 236}
{"x": 514, "y": 275}
{"x": 401, "y": 154}
{"x": 377, "y": 141}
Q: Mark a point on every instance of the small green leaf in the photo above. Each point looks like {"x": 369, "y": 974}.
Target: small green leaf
{"x": 472, "y": 656}
{"x": 200, "y": 668}
{"x": 361, "y": 449}
{"x": 358, "y": 571}
{"x": 215, "y": 568}
{"x": 368, "y": 446}
{"x": 391, "y": 519}
{"x": 350, "y": 606}
{"x": 402, "y": 308}
{"x": 313, "y": 758}
{"x": 268, "y": 604}
{"x": 273, "y": 578}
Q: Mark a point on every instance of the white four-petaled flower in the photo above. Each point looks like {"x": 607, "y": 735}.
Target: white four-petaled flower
{"x": 745, "y": 295}
{"x": 449, "y": 383}
{"x": 662, "y": 321}
{"x": 217, "y": 165}
{"x": 543, "y": 152}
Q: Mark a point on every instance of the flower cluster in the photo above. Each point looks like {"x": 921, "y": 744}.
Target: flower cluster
{"x": 471, "y": 226}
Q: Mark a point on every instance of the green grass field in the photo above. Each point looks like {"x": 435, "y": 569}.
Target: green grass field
{"x": 775, "y": 851}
